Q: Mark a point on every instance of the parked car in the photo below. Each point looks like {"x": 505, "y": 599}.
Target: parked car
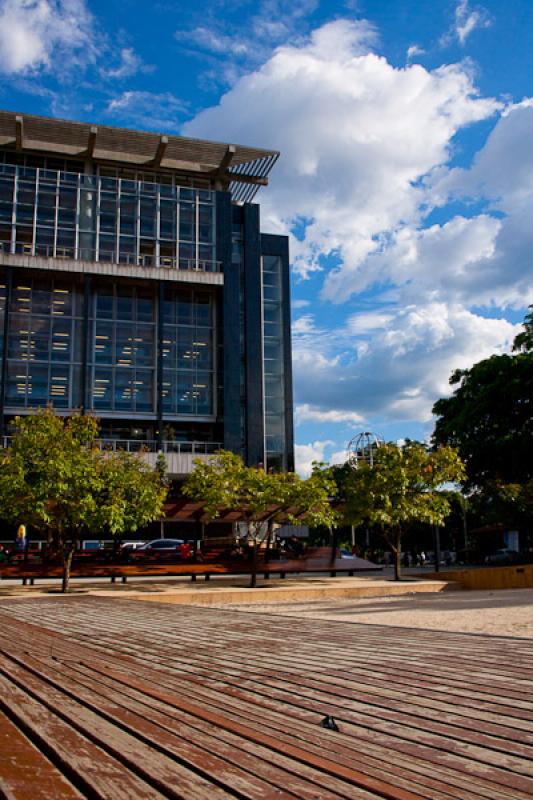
{"x": 502, "y": 557}
{"x": 127, "y": 547}
{"x": 346, "y": 553}
{"x": 160, "y": 546}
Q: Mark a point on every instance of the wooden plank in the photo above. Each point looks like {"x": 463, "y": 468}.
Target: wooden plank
{"x": 141, "y": 727}
{"x": 146, "y": 767}
{"x": 87, "y": 766}
{"x": 26, "y": 774}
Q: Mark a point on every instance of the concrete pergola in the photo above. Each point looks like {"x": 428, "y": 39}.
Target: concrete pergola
{"x": 239, "y": 169}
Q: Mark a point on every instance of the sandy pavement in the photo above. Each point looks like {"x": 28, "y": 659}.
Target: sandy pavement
{"x": 495, "y": 613}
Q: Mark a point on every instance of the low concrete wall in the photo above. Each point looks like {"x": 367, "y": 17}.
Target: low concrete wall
{"x": 299, "y": 591}
{"x": 178, "y": 464}
{"x": 516, "y": 577}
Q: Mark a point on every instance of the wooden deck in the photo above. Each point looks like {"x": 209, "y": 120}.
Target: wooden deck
{"x": 110, "y": 698}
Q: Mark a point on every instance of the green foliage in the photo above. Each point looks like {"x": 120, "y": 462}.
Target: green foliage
{"x": 489, "y": 417}
{"x": 224, "y": 482}
{"x": 403, "y": 487}
{"x": 132, "y": 493}
{"x": 56, "y": 479}
{"x": 524, "y": 341}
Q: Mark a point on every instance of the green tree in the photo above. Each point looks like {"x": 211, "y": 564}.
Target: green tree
{"x": 489, "y": 417}
{"x": 55, "y": 479}
{"x": 403, "y": 486}
{"x": 224, "y": 482}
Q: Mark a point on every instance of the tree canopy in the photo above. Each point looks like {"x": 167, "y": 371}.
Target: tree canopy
{"x": 489, "y": 416}
{"x": 224, "y": 482}
{"x": 403, "y": 486}
{"x": 56, "y": 479}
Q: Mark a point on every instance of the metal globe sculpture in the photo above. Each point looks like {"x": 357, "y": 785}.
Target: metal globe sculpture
{"x": 362, "y": 448}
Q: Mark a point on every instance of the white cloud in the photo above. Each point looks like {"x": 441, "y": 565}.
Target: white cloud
{"x": 305, "y": 324}
{"x": 305, "y": 454}
{"x": 235, "y": 47}
{"x": 450, "y": 261}
{"x": 148, "y": 110}
{"x": 467, "y": 20}
{"x": 402, "y": 370}
{"x": 356, "y": 134}
{"x": 502, "y": 171}
{"x": 300, "y": 303}
{"x": 365, "y": 150}
{"x": 45, "y": 35}
{"x": 367, "y": 322}
{"x": 209, "y": 39}
{"x": 129, "y": 64}
{"x": 413, "y": 51}
{"x": 308, "y": 413}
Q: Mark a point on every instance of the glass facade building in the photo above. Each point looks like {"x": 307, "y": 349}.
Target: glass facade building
{"x": 143, "y": 293}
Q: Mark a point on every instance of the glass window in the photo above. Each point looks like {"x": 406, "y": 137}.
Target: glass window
{"x": 144, "y": 345}
{"x": 102, "y": 388}
{"x": 17, "y": 384}
{"x": 185, "y": 348}
{"x": 124, "y": 389}
{"x": 125, "y": 303}
{"x": 185, "y": 393}
{"x": 59, "y": 386}
{"x": 184, "y": 309}
{"x": 145, "y": 306}
{"x": 103, "y": 343}
{"x": 104, "y": 303}
{"x": 143, "y": 390}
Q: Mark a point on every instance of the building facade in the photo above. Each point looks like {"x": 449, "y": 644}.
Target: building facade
{"x": 135, "y": 284}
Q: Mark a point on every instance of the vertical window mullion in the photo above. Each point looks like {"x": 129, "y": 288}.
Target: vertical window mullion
{"x": 56, "y": 215}
{"x": 97, "y": 243}
{"x": 12, "y": 246}
{"x": 138, "y": 226}
{"x": 77, "y": 223}
{"x": 177, "y": 251}
{"x": 197, "y": 231}
{"x": 35, "y": 204}
{"x": 213, "y": 229}
{"x": 117, "y": 220}
{"x": 157, "y": 251}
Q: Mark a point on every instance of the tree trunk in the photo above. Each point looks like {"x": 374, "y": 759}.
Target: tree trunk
{"x": 333, "y": 540}
{"x": 253, "y": 575}
{"x": 269, "y": 539}
{"x": 397, "y": 564}
{"x": 67, "y": 563}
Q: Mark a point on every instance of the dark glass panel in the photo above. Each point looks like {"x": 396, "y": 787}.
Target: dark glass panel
{"x": 125, "y": 303}
{"x": 104, "y": 303}
{"x": 103, "y": 343}
{"x": 59, "y": 386}
{"x": 17, "y": 384}
{"x": 124, "y": 344}
{"x": 185, "y": 308}
{"x": 144, "y": 345}
{"x": 185, "y": 404}
{"x": 143, "y": 390}
{"x": 123, "y": 395}
{"x": 37, "y": 384}
{"x": 102, "y": 389}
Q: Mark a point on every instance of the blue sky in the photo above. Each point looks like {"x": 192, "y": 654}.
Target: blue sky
{"x": 406, "y": 177}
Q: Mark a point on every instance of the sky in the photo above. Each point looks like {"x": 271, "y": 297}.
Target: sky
{"x": 405, "y": 180}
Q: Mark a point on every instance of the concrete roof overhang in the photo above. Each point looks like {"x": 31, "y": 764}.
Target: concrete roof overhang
{"x": 239, "y": 169}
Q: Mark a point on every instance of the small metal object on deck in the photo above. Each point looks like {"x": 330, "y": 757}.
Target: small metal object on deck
{"x": 329, "y": 723}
